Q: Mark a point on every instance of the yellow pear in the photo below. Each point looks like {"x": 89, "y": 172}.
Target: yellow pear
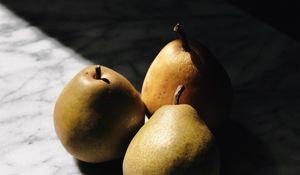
{"x": 174, "y": 141}
{"x": 182, "y": 61}
{"x": 97, "y": 114}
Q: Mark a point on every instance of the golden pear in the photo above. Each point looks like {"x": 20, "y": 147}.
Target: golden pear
{"x": 175, "y": 141}
{"x": 97, "y": 114}
{"x": 182, "y": 61}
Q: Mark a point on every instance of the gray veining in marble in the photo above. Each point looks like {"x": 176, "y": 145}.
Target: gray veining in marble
{"x": 33, "y": 70}
{"x": 262, "y": 137}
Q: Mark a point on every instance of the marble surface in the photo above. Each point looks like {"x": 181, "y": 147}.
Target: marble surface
{"x": 261, "y": 137}
{"x": 33, "y": 70}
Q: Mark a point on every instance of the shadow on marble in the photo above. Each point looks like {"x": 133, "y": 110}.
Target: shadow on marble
{"x": 107, "y": 168}
{"x": 261, "y": 63}
{"x": 267, "y": 11}
{"x": 115, "y": 33}
{"x": 242, "y": 152}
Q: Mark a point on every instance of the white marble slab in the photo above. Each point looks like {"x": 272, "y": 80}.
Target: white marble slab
{"x": 262, "y": 136}
{"x": 33, "y": 70}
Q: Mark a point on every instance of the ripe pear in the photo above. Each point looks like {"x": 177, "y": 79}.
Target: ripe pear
{"x": 183, "y": 61}
{"x": 97, "y": 114}
{"x": 173, "y": 141}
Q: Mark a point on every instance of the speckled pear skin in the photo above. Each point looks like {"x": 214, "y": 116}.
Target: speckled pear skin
{"x": 96, "y": 120}
{"x": 208, "y": 87}
{"x": 175, "y": 141}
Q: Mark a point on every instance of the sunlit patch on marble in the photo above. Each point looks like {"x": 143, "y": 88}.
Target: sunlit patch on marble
{"x": 261, "y": 61}
{"x": 33, "y": 70}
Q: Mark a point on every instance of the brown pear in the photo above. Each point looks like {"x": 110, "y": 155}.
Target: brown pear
{"x": 97, "y": 114}
{"x": 174, "y": 141}
{"x": 183, "y": 61}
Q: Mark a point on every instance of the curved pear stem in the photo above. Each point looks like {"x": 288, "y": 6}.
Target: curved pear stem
{"x": 185, "y": 43}
{"x": 98, "y": 72}
{"x": 177, "y": 94}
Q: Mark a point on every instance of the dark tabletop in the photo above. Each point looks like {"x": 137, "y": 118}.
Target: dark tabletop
{"x": 262, "y": 135}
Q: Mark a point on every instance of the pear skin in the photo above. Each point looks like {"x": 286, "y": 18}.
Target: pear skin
{"x": 208, "y": 87}
{"x": 97, "y": 114}
{"x": 173, "y": 141}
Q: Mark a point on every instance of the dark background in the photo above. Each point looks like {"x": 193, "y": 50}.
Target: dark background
{"x": 256, "y": 41}
{"x": 282, "y": 15}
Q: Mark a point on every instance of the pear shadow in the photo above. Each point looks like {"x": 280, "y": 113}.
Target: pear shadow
{"x": 241, "y": 152}
{"x": 113, "y": 167}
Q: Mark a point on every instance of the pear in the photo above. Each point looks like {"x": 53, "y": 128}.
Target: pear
{"x": 173, "y": 141}
{"x": 182, "y": 61}
{"x": 97, "y": 114}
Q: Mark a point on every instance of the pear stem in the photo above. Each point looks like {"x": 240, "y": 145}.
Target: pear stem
{"x": 177, "y": 94}
{"x": 98, "y": 72}
{"x": 185, "y": 44}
